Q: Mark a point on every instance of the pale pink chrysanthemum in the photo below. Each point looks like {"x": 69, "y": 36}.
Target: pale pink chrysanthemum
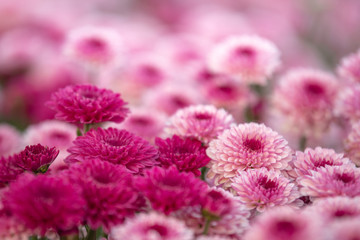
{"x": 306, "y": 97}
{"x": 10, "y": 140}
{"x": 87, "y": 104}
{"x": 261, "y": 189}
{"x": 246, "y": 146}
{"x": 349, "y": 68}
{"x": 115, "y": 146}
{"x": 94, "y": 46}
{"x": 285, "y": 223}
{"x": 348, "y": 103}
{"x": 313, "y": 159}
{"x": 251, "y": 59}
{"x": 202, "y": 122}
{"x": 347, "y": 229}
{"x": 352, "y": 144}
{"x": 11, "y": 229}
{"x": 330, "y": 181}
{"x": 152, "y": 226}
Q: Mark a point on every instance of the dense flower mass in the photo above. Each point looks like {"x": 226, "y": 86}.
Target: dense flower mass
{"x": 87, "y": 104}
{"x": 246, "y": 146}
{"x": 115, "y": 146}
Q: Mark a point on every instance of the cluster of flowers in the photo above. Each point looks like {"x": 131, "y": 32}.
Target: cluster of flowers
{"x": 213, "y": 136}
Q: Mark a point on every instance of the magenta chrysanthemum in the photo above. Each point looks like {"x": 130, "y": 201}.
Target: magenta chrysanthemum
{"x": 285, "y": 224}
{"x": 348, "y": 103}
{"x": 306, "y": 98}
{"x": 108, "y": 191}
{"x": 312, "y": 159}
{"x": 152, "y": 226}
{"x": 331, "y": 181}
{"x": 251, "y": 59}
{"x": 246, "y": 146}
{"x": 188, "y": 155}
{"x": 115, "y": 146}
{"x": 44, "y": 203}
{"x": 10, "y": 140}
{"x": 349, "y": 67}
{"x": 203, "y": 122}
{"x": 352, "y": 144}
{"x": 169, "y": 190}
{"x": 87, "y": 104}
{"x": 261, "y": 189}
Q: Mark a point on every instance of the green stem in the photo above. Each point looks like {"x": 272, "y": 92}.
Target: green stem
{"x": 302, "y": 143}
{"x": 87, "y": 127}
{"x": 91, "y": 235}
{"x": 207, "y": 226}
{"x": 33, "y": 237}
{"x": 203, "y": 173}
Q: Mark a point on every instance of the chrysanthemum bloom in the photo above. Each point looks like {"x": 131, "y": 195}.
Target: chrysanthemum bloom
{"x": 115, "y": 146}
{"x": 261, "y": 189}
{"x": 169, "y": 190}
{"x": 10, "y": 140}
{"x": 306, "y": 98}
{"x": 87, "y": 104}
{"x": 348, "y": 103}
{"x": 9, "y": 171}
{"x": 152, "y": 226}
{"x": 44, "y": 203}
{"x": 347, "y": 229}
{"x": 352, "y": 144}
{"x": 246, "y": 146}
{"x": 285, "y": 223}
{"x": 349, "y": 68}
{"x": 94, "y": 46}
{"x": 331, "y": 181}
{"x": 10, "y": 229}
{"x": 337, "y": 208}
{"x": 108, "y": 191}
{"x": 251, "y": 59}
{"x": 202, "y": 122}
{"x": 188, "y": 155}
{"x": 312, "y": 159}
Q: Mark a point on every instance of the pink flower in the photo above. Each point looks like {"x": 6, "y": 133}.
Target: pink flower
{"x": 9, "y": 171}
{"x": 87, "y": 104}
{"x": 349, "y": 67}
{"x": 44, "y": 203}
{"x": 115, "y": 146}
{"x": 108, "y": 191}
{"x": 347, "y": 229}
{"x": 331, "y": 181}
{"x": 152, "y": 226}
{"x": 10, "y": 229}
{"x": 348, "y": 103}
{"x": 352, "y": 144}
{"x": 188, "y": 155}
{"x": 202, "y": 122}
{"x": 246, "y": 146}
{"x": 285, "y": 224}
{"x": 261, "y": 189}
{"x": 313, "y": 159}
{"x": 251, "y": 59}
{"x": 306, "y": 98}
{"x": 10, "y": 140}
{"x": 169, "y": 190}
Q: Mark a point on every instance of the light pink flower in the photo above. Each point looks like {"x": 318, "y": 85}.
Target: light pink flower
{"x": 352, "y": 143}
{"x": 261, "y": 189}
{"x": 347, "y": 229}
{"x": 306, "y": 97}
{"x": 10, "y": 229}
{"x": 10, "y": 140}
{"x": 349, "y": 68}
{"x": 246, "y": 146}
{"x": 251, "y": 59}
{"x": 348, "y": 103}
{"x": 331, "y": 181}
{"x": 202, "y": 122}
{"x": 152, "y": 226}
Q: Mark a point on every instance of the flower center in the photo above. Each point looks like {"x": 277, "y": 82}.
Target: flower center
{"x": 161, "y": 230}
{"x": 345, "y": 178}
{"x": 179, "y": 102}
{"x": 59, "y": 136}
{"x": 253, "y": 144}
{"x": 102, "y": 178}
{"x": 286, "y": 228}
{"x": 226, "y": 89}
{"x": 202, "y": 116}
{"x": 89, "y": 95}
{"x": 142, "y": 121}
{"x": 267, "y": 183}
{"x": 114, "y": 142}
{"x": 322, "y": 163}
{"x": 340, "y": 213}
{"x": 94, "y": 44}
{"x": 314, "y": 89}
{"x": 244, "y": 52}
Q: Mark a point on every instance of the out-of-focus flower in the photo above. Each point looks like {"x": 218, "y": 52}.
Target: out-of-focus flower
{"x": 152, "y": 226}
{"x": 188, "y": 155}
{"x": 10, "y": 229}
{"x": 108, "y": 191}
{"x": 9, "y": 171}
{"x": 348, "y": 103}
{"x": 306, "y": 98}
{"x": 87, "y": 104}
{"x": 115, "y": 146}
{"x": 352, "y": 143}
{"x": 10, "y": 140}
{"x": 202, "y": 122}
{"x": 313, "y": 159}
{"x": 251, "y": 59}
{"x": 330, "y": 181}
{"x": 348, "y": 229}
{"x": 285, "y": 223}
{"x": 349, "y": 68}
{"x": 42, "y": 203}
{"x": 261, "y": 189}
{"x": 246, "y": 146}
{"x": 169, "y": 190}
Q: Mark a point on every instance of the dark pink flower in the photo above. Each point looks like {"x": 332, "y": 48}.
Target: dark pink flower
{"x": 86, "y": 104}
{"x": 115, "y": 146}
{"x": 188, "y": 155}
{"x": 169, "y": 190}
{"x": 9, "y": 171}
{"x": 108, "y": 191}
{"x": 44, "y": 203}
